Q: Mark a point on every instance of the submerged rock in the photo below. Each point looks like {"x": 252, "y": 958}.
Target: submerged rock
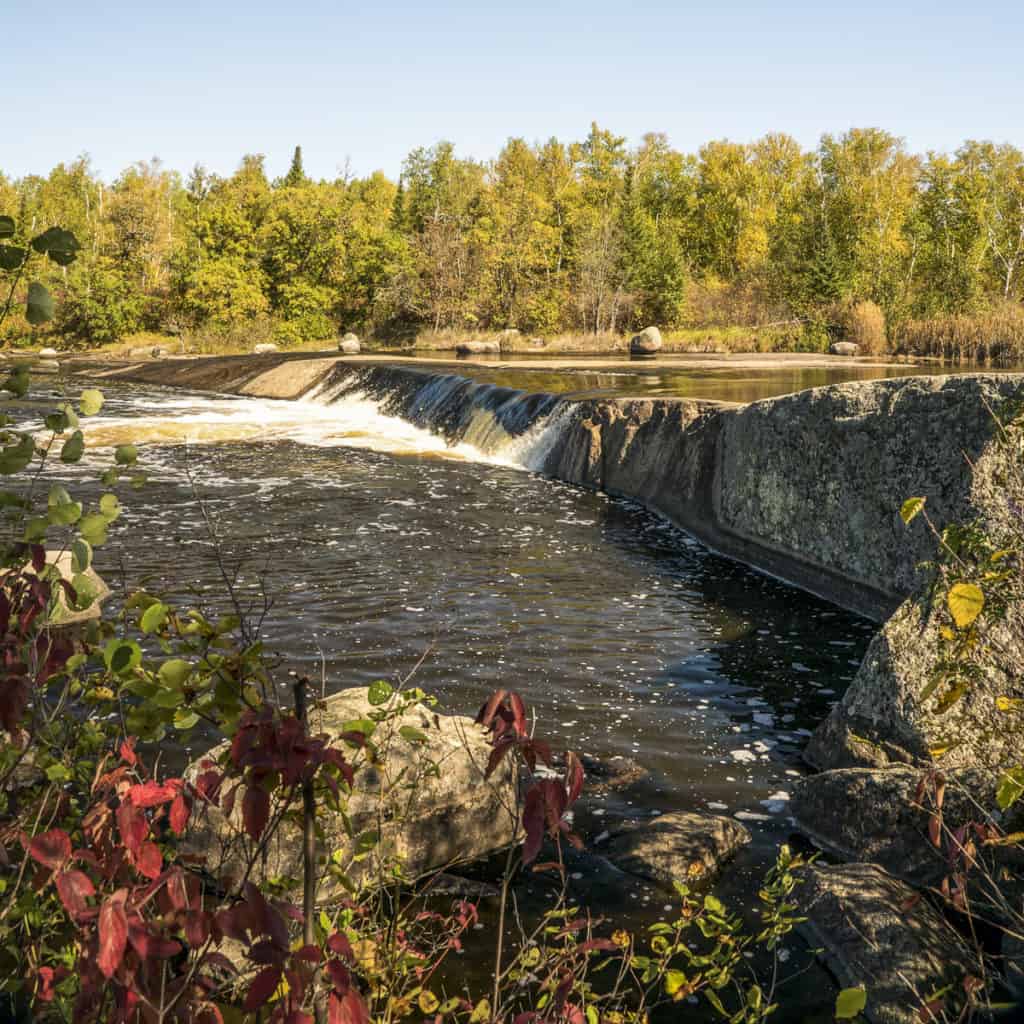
{"x": 683, "y": 846}
{"x": 646, "y": 343}
{"x": 844, "y": 348}
{"x": 428, "y": 799}
{"x": 349, "y": 344}
{"x": 875, "y": 931}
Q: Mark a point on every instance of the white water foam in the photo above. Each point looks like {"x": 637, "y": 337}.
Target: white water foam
{"x": 319, "y": 419}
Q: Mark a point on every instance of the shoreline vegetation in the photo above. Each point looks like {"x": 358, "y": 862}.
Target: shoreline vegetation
{"x": 739, "y": 247}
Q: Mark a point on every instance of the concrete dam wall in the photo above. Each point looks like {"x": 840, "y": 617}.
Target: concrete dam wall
{"x": 807, "y": 487}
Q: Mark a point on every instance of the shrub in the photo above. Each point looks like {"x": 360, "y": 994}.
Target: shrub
{"x": 994, "y": 336}
{"x": 863, "y": 323}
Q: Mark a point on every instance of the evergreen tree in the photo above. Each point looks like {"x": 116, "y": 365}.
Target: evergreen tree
{"x": 296, "y": 173}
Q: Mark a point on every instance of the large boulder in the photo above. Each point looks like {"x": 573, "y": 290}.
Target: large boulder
{"x": 478, "y": 348}
{"x": 61, "y": 615}
{"x": 264, "y": 348}
{"x": 882, "y": 817}
{"x": 427, "y": 798}
{"x": 844, "y": 348}
{"x": 876, "y": 932}
{"x": 349, "y": 344}
{"x": 683, "y": 846}
{"x": 646, "y": 343}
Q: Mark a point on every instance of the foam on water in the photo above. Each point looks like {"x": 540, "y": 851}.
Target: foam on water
{"x": 327, "y": 417}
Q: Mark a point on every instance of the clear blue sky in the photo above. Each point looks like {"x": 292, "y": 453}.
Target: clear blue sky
{"x": 206, "y": 82}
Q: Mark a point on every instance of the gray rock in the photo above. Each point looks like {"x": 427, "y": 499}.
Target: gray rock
{"x": 264, "y": 347}
{"x": 875, "y": 931}
{"x": 148, "y": 352}
{"x": 349, "y": 344}
{"x": 48, "y": 353}
{"x": 844, "y": 348}
{"x": 646, "y": 343}
{"x": 860, "y": 814}
{"x": 683, "y": 846}
{"x": 62, "y": 615}
{"x": 437, "y": 808}
{"x": 478, "y": 348}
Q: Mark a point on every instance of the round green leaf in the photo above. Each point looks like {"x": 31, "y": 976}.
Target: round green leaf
{"x": 122, "y": 656}
{"x": 910, "y": 508}
{"x": 185, "y": 719}
{"x": 379, "y": 692}
{"x": 174, "y": 672}
{"x": 6, "y": 226}
{"x": 153, "y": 617}
{"x": 91, "y": 402}
{"x": 39, "y": 306}
{"x": 93, "y": 529}
{"x": 850, "y": 1002}
{"x": 74, "y": 448}
{"x": 110, "y": 507}
{"x": 11, "y": 257}
{"x": 126, "y": 455}
{"x": 65, "y": 515}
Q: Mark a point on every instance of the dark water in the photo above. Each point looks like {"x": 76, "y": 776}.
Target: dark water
{"x": 378, "y": 546}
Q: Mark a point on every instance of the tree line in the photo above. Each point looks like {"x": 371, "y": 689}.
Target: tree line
{"x": 581, "y": 237}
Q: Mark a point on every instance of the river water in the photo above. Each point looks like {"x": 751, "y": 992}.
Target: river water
{"x": 381, "y": 546}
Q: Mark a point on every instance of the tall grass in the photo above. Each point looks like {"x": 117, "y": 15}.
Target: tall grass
{"x": 994, "y": 337}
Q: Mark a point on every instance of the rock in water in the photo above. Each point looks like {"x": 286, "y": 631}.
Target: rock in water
{"x": 47, "y": 353}
{"x": 875, "y": 932}
{"x": 478, "y": 348}
{"x": 264, "y": 347}
{"x": 646, "y": 343}
{"x": 843, "y": 348}
{"x": 349, "y": 344}
{"x": 683, "y": 846}
{"x": 89, "y": 582}
{"x": 428, "y": 789}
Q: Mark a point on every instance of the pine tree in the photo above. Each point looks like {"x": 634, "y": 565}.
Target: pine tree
{"x": 296, "y": 174}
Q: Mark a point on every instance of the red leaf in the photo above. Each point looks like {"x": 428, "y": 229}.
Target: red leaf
{"x": 533, "y": 824}
{"x": 518, "y": 713}
{"x": 347, "y": 1009}
{"x": 935, "y": 831}
{"x": 133, "y": 826}
{"x": 310, "y": 953}
{"x": 340, "y": 945}
{"x": 149, "y": 860}
{"x": 51, "y": 849}
{"x": 197, "y": 928}
{"x": 127, "y": 752}
{"x": 180, "y": 811}
{"x": 113, "y": 934}
{"x": 501, "y": 748}
{"x": 263, "y": 986}
{"x": 341, "y": 980}
{"x": 150, "y": 946}
{"x": 487, "y": 712}
{"x": 153, "y": 794}
{"x": 298, "y": 1017}
{"x": 573, "y": 776}
{"x": 255, "y": 810}
{"x": 74, "y": 888}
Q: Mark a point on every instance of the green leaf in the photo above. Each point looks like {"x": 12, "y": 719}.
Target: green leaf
{"x": 411, "y": 735}
{"x": 153, "y": 617}
{"x": 6, "y": 226}
{"x": 58, "y": 496}
{"x": 11, "y": 257}
{"x": 74, "y": 448}
{"x": 850, "y": 1002}
{"x": 65, "y": 515}
{"x": 185, "y": 719}
{"x": 126, "y": 455}
{"x": 379, "y": 692}
{"x": 14, "y": 458}
{"x": 81, "y": 555}
{"x": 910, "y": 508}
{"x": 85, "y": 591}
{"x": 110, "y": 507}
{"x": 110, "y": 477}
{"x": 18, "y": 381}
{"x": 713, "y": 905}
{"x": 122, "y": 656}
{"x": 58, "y": 773}
{"x": 90, "y": 402}
{"x": 58, "y": 244}
{"x": 39, "y": 305}
{"x": 674, "y": 981}
{"x": 965, "y": 602}
{"x": 35, "y": 529}
{"x": 174, "y": 672}
{"x": 1011, "y": 788}
{"x": 93, "y": 528}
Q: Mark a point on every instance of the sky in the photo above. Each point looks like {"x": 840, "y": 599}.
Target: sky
{"x": 359, "y": 85}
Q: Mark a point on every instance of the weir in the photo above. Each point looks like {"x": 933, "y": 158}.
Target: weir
{"x": 806, "y": 487}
